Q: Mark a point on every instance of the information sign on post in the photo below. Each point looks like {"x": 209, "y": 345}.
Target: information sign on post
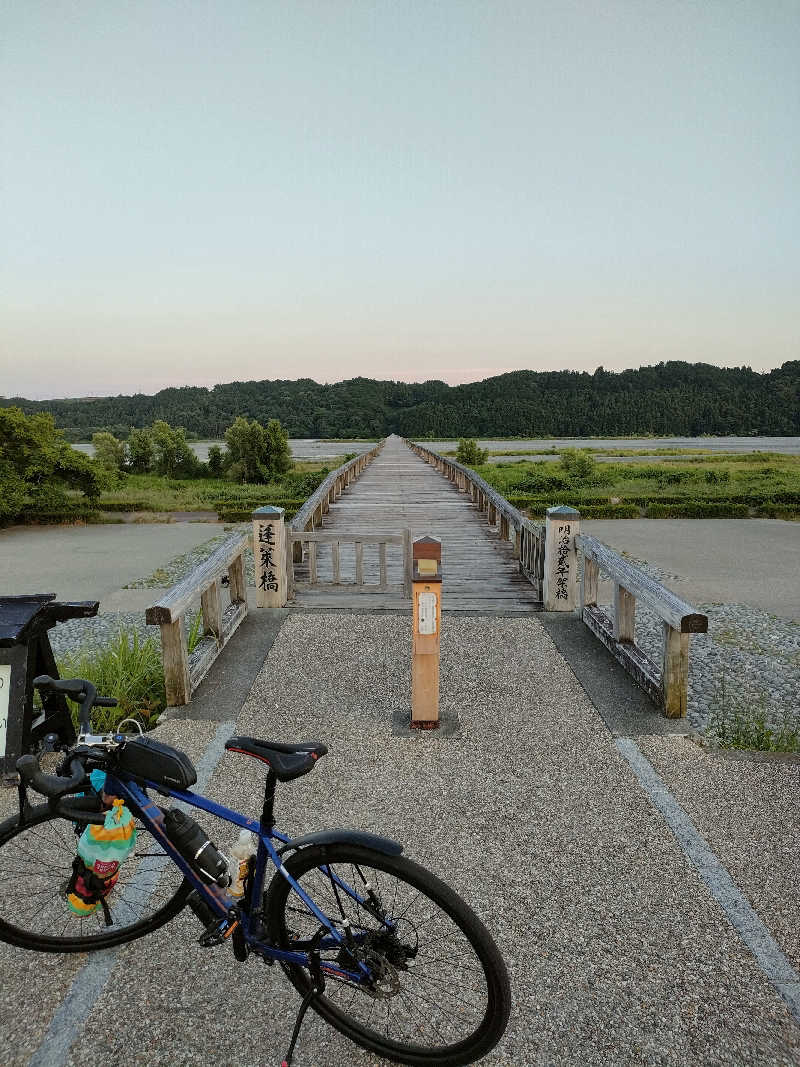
{"x": 427, "y": 624}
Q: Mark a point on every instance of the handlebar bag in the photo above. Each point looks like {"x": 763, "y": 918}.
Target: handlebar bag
{"x": 144, "y": 757}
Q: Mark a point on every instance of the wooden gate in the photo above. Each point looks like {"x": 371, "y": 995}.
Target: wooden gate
{"x": 337, "y": 560}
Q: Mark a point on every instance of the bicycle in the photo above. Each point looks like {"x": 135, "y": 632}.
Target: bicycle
{"x": 378, "y": 946}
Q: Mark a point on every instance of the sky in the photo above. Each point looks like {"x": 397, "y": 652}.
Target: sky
{"x": 204, "y": 192}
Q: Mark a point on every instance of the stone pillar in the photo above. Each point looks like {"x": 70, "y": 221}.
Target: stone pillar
{"x": 269, "y": 554}
{"x": 562, "y": 526}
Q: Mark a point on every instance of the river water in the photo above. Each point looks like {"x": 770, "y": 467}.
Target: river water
{"x": 314, "y": 448}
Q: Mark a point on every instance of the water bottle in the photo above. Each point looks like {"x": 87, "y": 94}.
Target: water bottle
{"x": 196, "y": 847}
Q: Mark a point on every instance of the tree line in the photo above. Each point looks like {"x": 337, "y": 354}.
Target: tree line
{"x": 667, "y": 398}
{"x": 41, "y": 473}
{"x": 254, "y": 453}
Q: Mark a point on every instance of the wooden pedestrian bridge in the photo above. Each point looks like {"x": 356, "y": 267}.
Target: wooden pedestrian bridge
{"x": 350, "y": 546}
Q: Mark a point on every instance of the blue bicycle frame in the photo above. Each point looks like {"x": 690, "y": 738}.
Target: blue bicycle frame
{"x": 216, "y": 898}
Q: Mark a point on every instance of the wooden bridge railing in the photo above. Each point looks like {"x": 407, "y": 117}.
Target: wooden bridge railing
{"x": 552, "y": 550}
{"x": 668, "y": 688}
{"x": 310, "y": 515}
{"x": 527, "y": 538}
{"x": 184, "y": 671}
{"x": 318, "y": 577}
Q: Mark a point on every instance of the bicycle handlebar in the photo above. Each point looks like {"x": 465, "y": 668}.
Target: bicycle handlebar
{"x": 52, "y": 785}
{"x": 79, "y": 690}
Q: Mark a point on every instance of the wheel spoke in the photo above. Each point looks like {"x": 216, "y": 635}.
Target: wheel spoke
{"x": 443, "y": 1000}
{"x": 35, "y": 867}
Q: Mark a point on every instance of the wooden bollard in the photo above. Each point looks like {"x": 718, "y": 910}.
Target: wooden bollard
{"x": 427, "y": 624}
{"x": 269, "y": 554}
{"x": 562, "y": 526}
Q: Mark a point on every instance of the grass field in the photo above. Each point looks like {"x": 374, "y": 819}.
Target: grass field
{"x": 153, "y": 493}
{"x": 675, "y": 485}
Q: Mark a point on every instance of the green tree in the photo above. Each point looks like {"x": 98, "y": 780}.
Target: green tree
{"x": 173, "y": 454}
{"x": 279, "y": 455}
{"x": 109, "y": 451}
{"x": 581, "y": 468}
{"x": 469, "y": 454}
{"x": 247, "y": 445}
{"x": 215, "y": 465}
{"x": 140, "y": 450}
{"x": 37, "y": 466}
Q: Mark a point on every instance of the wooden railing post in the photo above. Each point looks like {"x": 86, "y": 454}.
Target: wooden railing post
{"x": 561, "y": 558}
{"x": 588, "y": 593}
{"x": 211, "y": 606}
{"x": 271, "y": 557}
{"x": 183, "y": 673}
{"x": 669, "y": 687}
{"x": 624, "y": 615}
{"x": 675, "y": 672}
{"x": 176, "y": 663}
{"x": 237, "y": 587}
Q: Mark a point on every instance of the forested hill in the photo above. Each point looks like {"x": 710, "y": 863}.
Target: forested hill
{"x": 669, "y": 398}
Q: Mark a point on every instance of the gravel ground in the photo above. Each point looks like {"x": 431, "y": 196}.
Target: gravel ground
{"x": 749, "y": 812}
{"x": 180, "y": 566}
{"x": 748, "y": 661}
{"x": 617, "y": 953}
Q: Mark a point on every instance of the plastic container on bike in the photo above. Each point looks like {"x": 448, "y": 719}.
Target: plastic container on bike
{"x": 101, "y": 851}
{"x": 241, "y": 853}
{"x": 196, "y": 847}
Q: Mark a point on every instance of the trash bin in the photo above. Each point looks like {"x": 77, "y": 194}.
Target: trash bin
{"x": 25, "y": 652}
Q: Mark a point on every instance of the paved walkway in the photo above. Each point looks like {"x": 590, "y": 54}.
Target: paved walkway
{"x": 398, "y": 490}
{"x": 749, "y": 561}
{"x": 94, "y": 562}
{"x": 619, "y": 951}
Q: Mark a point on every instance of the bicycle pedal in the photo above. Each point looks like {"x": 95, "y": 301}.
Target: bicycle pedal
{"x": 216, "y": 933}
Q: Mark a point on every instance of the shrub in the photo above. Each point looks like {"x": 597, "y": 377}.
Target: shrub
{"x": 698, "y": 509}
{"x": 580, "y": 468}
{"x": 469, "y": 454}
{"x": 127, "y": 668}
{"x": 717, "y": 477}
{"x": 739, "y": 719}
{"x": 56, "y": 516}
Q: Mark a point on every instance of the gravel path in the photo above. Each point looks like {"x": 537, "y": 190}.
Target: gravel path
{"x": 749, "y": 661}
{"x": 617, "y": 953}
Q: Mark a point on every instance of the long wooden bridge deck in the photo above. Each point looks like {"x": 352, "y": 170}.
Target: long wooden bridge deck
{"x": 398, "y": 490}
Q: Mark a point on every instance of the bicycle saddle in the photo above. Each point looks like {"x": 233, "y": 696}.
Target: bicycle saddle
{"x": 287, "y": 761}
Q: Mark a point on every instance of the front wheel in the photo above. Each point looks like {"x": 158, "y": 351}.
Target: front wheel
{"x": 35, "y": 868}
{"x": 439, "y": 991}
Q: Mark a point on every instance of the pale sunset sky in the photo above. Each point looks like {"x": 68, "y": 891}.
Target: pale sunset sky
{"x": 196, "y": 193}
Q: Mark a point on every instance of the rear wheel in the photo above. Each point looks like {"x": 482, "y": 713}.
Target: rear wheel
{"x": 35, "y": 868}
{"x": 439, "y": 992}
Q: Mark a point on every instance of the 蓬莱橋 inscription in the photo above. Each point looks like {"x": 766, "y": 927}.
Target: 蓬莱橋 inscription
{"x": 269, "y": 554}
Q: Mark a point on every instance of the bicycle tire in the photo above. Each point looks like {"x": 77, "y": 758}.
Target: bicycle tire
{"x": 283, "y": 916}
{"x": 35, "y": 863}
